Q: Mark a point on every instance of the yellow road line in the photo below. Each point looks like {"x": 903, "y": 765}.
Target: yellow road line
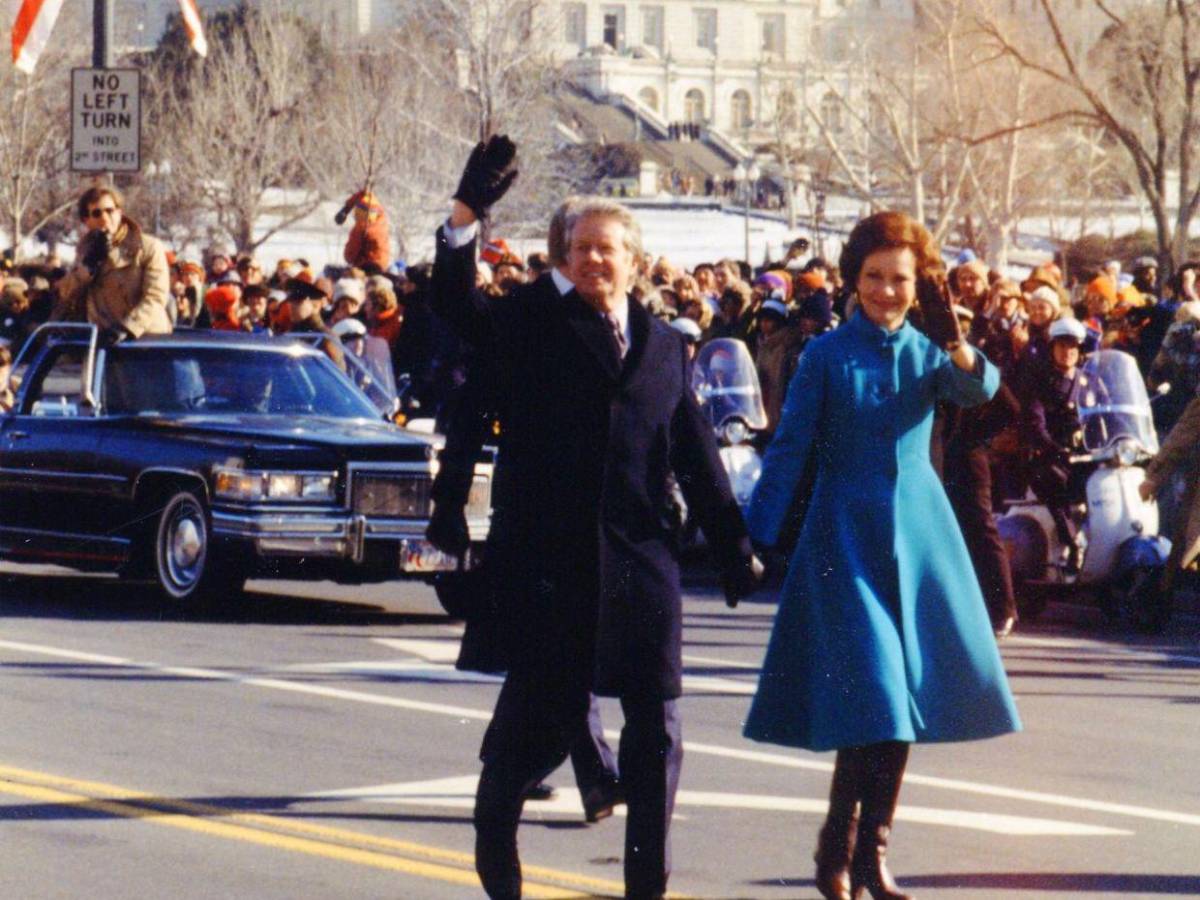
{"x": 283, "y": 834}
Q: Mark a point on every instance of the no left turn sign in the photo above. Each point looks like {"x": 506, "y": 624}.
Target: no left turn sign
{"x": 106, "y": 120}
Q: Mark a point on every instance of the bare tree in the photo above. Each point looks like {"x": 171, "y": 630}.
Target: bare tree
{"x": 491, "y": 64}
{"x": 889, "y": 115}
{"x": 237, "y": 125}
{"x": 1142, "y": 91}
{"x": 378, "y": 127}
{"x": 34, "y": 130}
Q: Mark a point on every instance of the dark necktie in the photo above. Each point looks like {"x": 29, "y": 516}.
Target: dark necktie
{"x": 618, "y": 333}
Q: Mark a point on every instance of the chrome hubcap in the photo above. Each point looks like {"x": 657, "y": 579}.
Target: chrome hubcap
{"x": 183, "y": 549}
{"x": 186, "y": 544}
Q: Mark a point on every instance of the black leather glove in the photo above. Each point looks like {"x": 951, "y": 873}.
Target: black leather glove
{"x": 109, "y": 337}
{"x": 448, "y": 529}
{"x": 342, "y": 213}
{"x": 937, "y": 310}
{"x": 742, "y": 580}
{"x": 94, "y": 249}
{"x": 487, "y": 175}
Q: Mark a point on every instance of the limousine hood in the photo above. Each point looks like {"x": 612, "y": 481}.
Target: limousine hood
{"x": 350, "y": 437}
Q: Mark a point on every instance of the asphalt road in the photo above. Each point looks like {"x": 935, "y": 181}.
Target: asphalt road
{"x": 319, "y": 744}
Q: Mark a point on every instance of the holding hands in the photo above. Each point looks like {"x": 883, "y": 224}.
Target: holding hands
{"x": 743, "y": 580}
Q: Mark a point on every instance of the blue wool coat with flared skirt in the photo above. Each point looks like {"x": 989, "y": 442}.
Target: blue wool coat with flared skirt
{"x": 881, "y": 633}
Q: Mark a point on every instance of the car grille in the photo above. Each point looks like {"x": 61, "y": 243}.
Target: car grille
{"x": 397, "y": 496}
{"x": 407, "y": 495}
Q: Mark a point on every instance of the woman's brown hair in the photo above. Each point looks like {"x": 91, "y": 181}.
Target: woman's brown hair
{"x": 885, "y": 231}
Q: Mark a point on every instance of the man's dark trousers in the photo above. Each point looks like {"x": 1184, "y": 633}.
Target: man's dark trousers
{"x": 969, "y": 487}
{"x": 530, "y": 735}
{"x": 591, "y": 757}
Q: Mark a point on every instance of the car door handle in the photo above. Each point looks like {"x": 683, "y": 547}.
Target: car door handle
{"x": 18, "y": 435}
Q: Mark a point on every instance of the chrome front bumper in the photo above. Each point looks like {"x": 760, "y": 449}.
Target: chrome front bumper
{"x": 335, "y": 534}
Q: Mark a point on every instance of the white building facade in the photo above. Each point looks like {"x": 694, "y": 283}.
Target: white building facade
{"x": 711, "y": 62}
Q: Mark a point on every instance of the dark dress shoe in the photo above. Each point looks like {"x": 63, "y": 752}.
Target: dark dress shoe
{"x": 541, "y": 791}
{"x": 599, "y": 802}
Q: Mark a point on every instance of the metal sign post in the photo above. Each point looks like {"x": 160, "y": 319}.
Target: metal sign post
{"x": 102, "y": 34}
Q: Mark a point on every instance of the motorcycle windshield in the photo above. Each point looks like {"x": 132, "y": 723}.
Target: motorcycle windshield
{"x": 726, "y": 384}
{"x": 1112, "y": 402}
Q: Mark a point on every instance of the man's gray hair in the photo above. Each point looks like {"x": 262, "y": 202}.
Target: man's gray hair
{"x": 599, "y": 207}
{"x": 556, "y": 238}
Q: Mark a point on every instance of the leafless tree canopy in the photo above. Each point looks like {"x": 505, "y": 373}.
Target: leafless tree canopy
{"x": 35, "y": 119}
{"x": 971, "y": 115}
{"x": 1135, "y": 83}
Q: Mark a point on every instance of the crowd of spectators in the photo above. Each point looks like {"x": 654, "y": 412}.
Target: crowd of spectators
{"x": 775, "y": 310}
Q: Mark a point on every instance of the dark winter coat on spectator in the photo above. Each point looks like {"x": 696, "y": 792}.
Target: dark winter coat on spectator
{"x": 776, "y": 361}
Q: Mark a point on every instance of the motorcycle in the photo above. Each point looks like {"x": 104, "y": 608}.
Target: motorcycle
{"x": 727, "y": 389}
{"x": 1123, "y": 555}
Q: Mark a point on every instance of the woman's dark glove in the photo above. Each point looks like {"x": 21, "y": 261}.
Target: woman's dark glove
{"x": 448, "y": 529}
{"x": 937, "y": 310}
{"x": 340, "y": 216}
{"x": 487, "y": 175}
{"x": 94, "y": 249}
{"x": 742, "y": 580}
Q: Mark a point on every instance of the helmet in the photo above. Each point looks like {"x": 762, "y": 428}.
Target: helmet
{"x": 349, "y": 328}
{"x": 689, "y": 329}
{"x": 1068, "y": 329}
{"x": 778, "y": 307}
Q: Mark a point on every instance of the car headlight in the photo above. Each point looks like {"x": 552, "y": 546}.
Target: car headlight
{"x": 735, "y": 432}
{"x": 1127, "y": 451}
{"x": 248, "y": 485}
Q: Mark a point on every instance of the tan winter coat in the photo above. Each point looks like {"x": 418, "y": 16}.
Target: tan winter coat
{"x": 130, "y": 290}
{"x": 1181, "y": 452}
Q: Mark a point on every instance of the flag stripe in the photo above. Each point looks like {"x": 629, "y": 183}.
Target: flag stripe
{"x": 31, "y": 31}
{"x": 194, "y": 25}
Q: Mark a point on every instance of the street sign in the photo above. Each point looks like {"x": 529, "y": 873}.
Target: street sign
{"x": 106, "y": 120}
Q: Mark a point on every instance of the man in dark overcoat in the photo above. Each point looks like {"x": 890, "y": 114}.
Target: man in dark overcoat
{"x": 468, "y": 427}
{"x": 600, "y": 414}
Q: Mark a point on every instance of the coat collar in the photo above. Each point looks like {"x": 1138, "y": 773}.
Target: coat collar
{"x": 639, "y": 330}
{"x": 875, "y": 334}
{"x": 593, "y": 331}
{"x": 591, "y": 328}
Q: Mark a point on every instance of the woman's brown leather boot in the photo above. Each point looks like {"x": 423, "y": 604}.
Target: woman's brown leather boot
{"x": 883, "y": 773}
{"x": 835, "y": 844}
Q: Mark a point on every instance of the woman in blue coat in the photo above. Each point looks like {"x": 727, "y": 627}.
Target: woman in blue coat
{"x": 882, "y": 637}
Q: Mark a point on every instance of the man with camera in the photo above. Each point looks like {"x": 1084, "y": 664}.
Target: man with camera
{"x": 121, "y": 282}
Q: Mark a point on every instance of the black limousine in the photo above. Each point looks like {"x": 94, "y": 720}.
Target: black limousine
{"x": 199, "y": 459}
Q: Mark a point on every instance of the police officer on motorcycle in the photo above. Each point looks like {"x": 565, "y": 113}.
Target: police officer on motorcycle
{"x": 1053, "y": 432}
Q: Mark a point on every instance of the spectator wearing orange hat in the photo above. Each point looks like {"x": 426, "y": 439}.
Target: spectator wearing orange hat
{"x": 224, "y": 302}
{"x": 1096, "y": 308}
{"x": 369, "y": 245}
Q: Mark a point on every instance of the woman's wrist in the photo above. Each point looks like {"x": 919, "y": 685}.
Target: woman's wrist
{"x": 963, "y": 355}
